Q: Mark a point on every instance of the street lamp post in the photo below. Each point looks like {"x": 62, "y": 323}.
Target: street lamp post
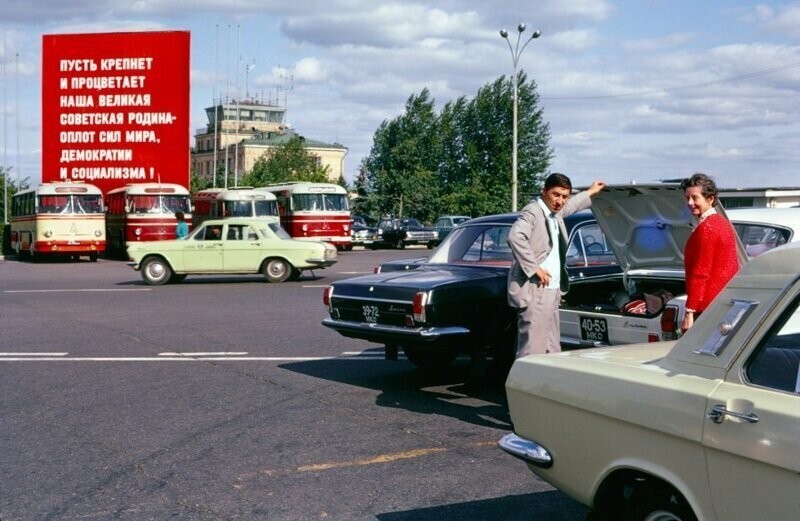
{"x": 516, "y": 51}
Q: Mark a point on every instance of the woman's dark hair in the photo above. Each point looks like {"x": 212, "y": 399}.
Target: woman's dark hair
{"x": 559, "y": 180}
{"x": 179, "y": 216}
{"x": 707, "y": 185}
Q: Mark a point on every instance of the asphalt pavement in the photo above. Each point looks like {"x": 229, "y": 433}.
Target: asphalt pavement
{"x": 224, "y": 398}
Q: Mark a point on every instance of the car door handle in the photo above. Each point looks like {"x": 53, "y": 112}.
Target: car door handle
{"x": 718, "y": 413}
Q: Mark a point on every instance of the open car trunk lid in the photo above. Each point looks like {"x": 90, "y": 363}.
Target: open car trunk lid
{"x": 647, "y": 226}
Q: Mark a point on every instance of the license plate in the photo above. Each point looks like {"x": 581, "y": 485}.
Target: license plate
{"x": 594, "y": 329}
{"x": 370, "y": 313}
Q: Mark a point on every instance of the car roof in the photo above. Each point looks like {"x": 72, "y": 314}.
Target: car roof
{"x": 787, "y": 217}
{"x": 241, "y": 220}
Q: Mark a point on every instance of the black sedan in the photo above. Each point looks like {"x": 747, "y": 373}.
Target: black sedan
{"x": 455, "y": 302}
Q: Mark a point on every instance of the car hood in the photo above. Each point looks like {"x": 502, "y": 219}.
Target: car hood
{"x": 557, "y": 374}
{"x": 647, "y": 226}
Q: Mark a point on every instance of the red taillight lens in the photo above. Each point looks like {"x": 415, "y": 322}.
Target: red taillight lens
{"x": 669, "y": 320}
{"x": 326, "y": 296}
{"x": 376, "y": 269}
{"x": 653, "y": 337}
{"x": 418, "y": 306}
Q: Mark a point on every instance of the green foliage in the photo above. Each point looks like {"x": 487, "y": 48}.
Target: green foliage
{"x": 10, "y": 186}
{"x": 287, "y": 162}
{"x": 424, "y": 164}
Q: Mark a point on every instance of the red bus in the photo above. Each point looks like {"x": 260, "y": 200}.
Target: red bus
{"x": 64, "y": 218}
{"x": 144, "y": 212}
{"x": 315, "y": 211}
{"x": 244, "y": 201}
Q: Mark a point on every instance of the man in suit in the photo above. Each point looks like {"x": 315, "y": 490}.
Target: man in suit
{"x": 538, "y": 276}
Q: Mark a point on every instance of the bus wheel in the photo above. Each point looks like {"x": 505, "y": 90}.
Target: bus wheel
{"x": 93, "y": 256}
{"x": 277, "y": 270}
{"x": 156, "y": 271}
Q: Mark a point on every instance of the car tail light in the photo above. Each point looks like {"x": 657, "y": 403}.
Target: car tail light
{"x": 326, "y": 296}
{"x": 418, "y": 306}
{"x": 376, "y": 269}
{"x": 669, "y": 322}
{"x": 653, "y": 337}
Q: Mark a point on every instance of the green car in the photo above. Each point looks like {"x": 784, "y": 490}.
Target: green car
{"x": 230, "y": 246}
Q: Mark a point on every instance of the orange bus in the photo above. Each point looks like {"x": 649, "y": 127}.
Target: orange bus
{"x": 243, "y": 201}
{"x": 144, "y": 212}
{"x": 64, "y": 218}
{"x": 315, "y": 211}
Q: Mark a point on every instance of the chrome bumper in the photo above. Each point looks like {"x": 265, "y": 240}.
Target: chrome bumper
{"x": 321, "y": 263}
{"x": 426, "y": 333}
{"x": 527, "y": 450}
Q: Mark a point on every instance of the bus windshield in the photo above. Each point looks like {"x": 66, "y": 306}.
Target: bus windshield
{"x": 64, "y": 204}
{"x": 166, "y": 204}
{"x": 320, "y": 202}
{"x": 251, "y": 208}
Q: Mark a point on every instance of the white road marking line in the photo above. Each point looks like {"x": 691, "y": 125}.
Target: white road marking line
{"x": 316, "y": 285}
{"x": 219, "y": 353}
{"x": 74, "y": 290}
{"x": 173, "y": 359}
{"x": 34, "y": 354}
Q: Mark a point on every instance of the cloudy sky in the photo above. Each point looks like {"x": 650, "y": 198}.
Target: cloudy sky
{"x": 634, "y": 90}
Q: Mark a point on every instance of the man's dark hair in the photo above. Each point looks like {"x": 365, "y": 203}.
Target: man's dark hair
{"x": 559, "y": 180}
{"x": 707, "y": 185}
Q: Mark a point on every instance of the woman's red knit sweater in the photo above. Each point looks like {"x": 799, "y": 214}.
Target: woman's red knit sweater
{"x": 710, "y": 260}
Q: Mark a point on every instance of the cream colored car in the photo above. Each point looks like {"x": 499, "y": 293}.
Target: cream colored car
{"x": 705, "y": 428}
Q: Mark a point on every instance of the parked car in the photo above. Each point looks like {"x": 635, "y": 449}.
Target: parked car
{"x": 399, "y": 233}
{"x": 592, "y": 313}
{"x": 445, "y": 224}
{"x": 453, "y": 303}
{"x": 703, "y": 428}
{"x": 360, "y": 232}
{"x": 230, "y": 246}
{"x": 647, "y": 231}
{"x": 762, "y": 229}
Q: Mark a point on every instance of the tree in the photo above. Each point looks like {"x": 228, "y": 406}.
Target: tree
{"x": 10, "y": 187}
{"x": 459, "y": 161}
{"x": 287, "y": 162}
{"x": 401, "y": 168}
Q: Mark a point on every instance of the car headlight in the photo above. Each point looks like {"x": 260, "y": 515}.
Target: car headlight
{"x": 98, "y": 233}
{"x": 330, "y": 251}
{"x": 48, "y": 233}
{"x": 137, "y": 231}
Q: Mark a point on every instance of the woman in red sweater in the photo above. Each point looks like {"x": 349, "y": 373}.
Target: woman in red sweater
{"x": 710, "y": 258}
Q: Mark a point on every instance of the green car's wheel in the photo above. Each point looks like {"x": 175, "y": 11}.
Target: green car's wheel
{"x": 277, "y": 270}
{"x": 156, "y": 271}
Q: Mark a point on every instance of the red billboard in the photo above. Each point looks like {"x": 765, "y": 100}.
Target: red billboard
{"x": 115, "y": 108}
